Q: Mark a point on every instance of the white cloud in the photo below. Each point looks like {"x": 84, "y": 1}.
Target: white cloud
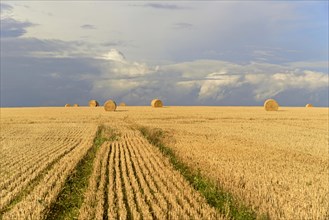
{"x": 114, "y": 88}
{"x": 199, "y": 68}
{"x": 204, "y": 81}
{"x": 255, "y": 78}
{"x": 114, "y": 55}
{"x": 119, "y": 66}
{"x": 307, "y": 79}
{"x": 262, "y": 79}
{"x": 265, "y": 86}
{"x": 55, "y": 75}
{"x": 119, "y": 76}
{"x": 188, "y": 84}
{"x": 217, "y": 89}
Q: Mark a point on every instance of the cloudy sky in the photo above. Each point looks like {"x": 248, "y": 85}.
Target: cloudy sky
{"x": 185, "y": 53}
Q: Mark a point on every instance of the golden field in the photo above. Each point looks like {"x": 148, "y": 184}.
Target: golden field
{"x": 140, "y": 184}
{"x": 275, "y": 162}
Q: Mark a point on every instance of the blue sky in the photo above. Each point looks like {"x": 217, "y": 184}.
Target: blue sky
{"x": 186, "y": 53}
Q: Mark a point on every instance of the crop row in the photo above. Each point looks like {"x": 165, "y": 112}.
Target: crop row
{"x": 45, "y": 167}
{"x": 131, "y": 179}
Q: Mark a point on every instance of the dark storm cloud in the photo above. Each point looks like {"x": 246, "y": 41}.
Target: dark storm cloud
{"x": 52, "y": 81}
{"x": 12, "y": 28}
{"x": 299, "y": 97}
{"x": 5, "y": 7}
{"x": 33, "y": 73}
{"x": 31, "y": 81}
{"x": 29, "y": 46}
{"x": 88, "y": 26}
{"x": 240, "y": 62}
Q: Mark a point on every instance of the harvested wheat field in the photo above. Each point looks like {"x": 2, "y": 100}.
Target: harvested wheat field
{"x": 136, "y": 181}
{"x": 274, "y": 162}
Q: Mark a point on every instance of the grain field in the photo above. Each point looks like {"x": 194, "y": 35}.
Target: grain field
{"x": 131, "y": 179}
{"x": 35, "y": 160}
{"x": 275, "y": 162}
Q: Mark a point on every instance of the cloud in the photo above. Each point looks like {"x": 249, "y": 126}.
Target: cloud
{"x": 33, "y": 81}
{"x": 204, "y": 56}
{"x": 182, "y": 25}
{"x": 88, "y": 26}
{"x": 217, "y": 89}
{"x": 62, "y": 69}
{"x": 115, "y": 88}
{"x": 211, "y": 82}
{"x": 10, "y": 27}
{"x": 32, "y": 47}
{"x": 118, "y": 66}
{"x": 5, "y": 7}
{"x": 114, "y": 43}
{"x": 164, "y": 6}
{"x": 317, "y": 65}
{"x": 115, "y": 55}
{"x": 55, "y": 75}
{"x": 265, "y": 85}
{"x": 262, "y": 80}
{"x": 38, "y": 72}
{"x": 13, "y": 28}
{"x": 50, "y": 48}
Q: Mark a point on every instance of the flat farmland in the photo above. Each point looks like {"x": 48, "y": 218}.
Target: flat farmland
{"x": 277, "y": 162}
{"x": 35, "y": 159}
{"x": 274, "y": 162}
{"x": 132, "y": 180}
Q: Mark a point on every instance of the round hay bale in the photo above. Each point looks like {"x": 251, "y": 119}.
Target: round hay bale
{"x": 110, "y": 105}
{"x": 308, "y": 105}
{"x": 93, "y": 103}
{"x": 122, "y": 104}
{"x": 67, "y": 105}
{"x": 156, "y": 103}
{"x": 75, "y": 105}
{"x": 271, "y": 105}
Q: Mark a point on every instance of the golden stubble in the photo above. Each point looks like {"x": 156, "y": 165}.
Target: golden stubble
{"x": 277, "y": 162}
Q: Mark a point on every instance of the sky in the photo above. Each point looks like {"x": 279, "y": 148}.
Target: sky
{"x": 214, "y": 53}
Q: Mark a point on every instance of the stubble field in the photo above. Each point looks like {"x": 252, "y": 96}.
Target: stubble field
{"x": 274, "y": 162}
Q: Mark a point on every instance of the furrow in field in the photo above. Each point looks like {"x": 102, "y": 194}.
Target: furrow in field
{"x": 192, "y": 203}
{"x": 16, "y": 169}
{"x": 120, "y": 205}
{"x": 152, "y": 176}
{"x": 37, "y": 203}
{"x": 185, "y": 193}
{"x": 172, "y": 194}
{"x": 20, "y": 139}
{"x": 153, "y": 197}
{"x": 128, "y": 189}
{"x": 12, "y": 153}
{"x": 102, "y": 190}
{"x": 42, "y": 152}
{"x": 17, "y": 185}
{"x": 111, "y": 211}
{"x": 87, "y": 210}
{"x": 126, "y": 198}
{"x": 25, "y": 152}
{"x": 146, "y": 202}
{"x": 31, "y": 144}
